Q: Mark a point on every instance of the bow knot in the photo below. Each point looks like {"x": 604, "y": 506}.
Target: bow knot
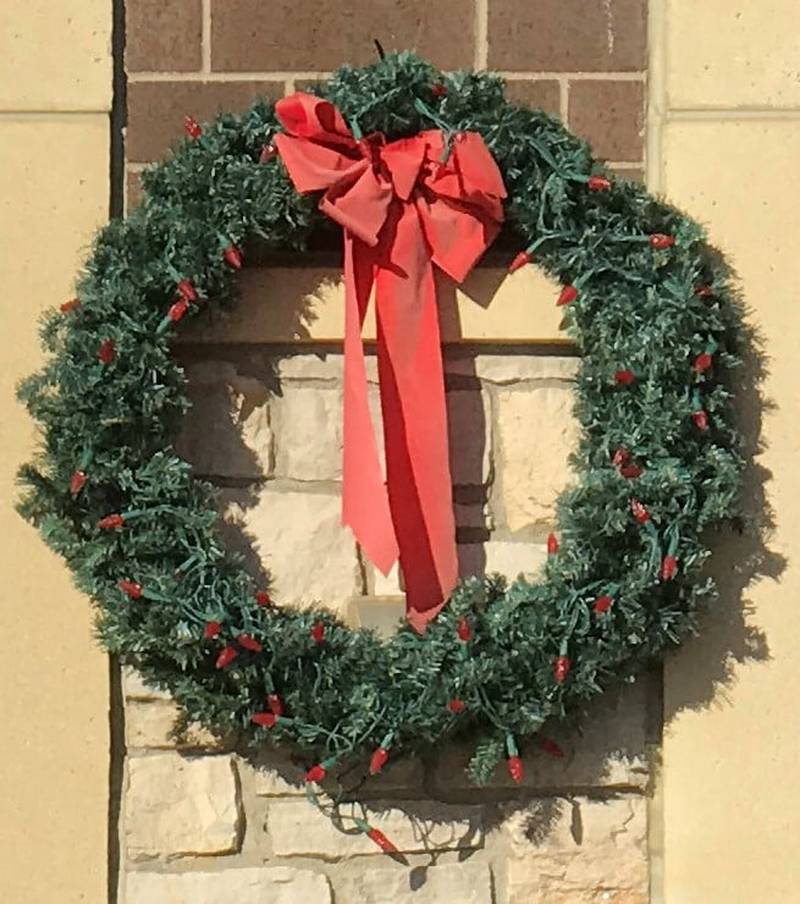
{"x": 404, "y": 205}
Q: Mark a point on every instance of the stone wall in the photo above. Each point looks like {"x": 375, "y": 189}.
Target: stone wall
{"x": 267, "y": 429}
{"x": 204, "y": 824}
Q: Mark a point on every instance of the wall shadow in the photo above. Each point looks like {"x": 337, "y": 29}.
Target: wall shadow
{"x": 741, "y": 554}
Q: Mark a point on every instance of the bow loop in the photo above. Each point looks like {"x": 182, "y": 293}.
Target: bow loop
{"x": 404, "y": 205}
{"x": 306, "y": 116}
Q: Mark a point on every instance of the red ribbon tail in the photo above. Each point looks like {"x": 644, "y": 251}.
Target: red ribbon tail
{"x": 415, "y": 422}
{"x": 365, "y": 502}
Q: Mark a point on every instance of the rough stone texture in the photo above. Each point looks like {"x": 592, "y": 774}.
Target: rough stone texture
{"x": 567, "y": 35}
{"x": 506, "y": 369}
{"x": 251, "y": 885}
{"x": 509, "y": 558}
{"x": 163, "y": 36}
{"x": 150, "y": 723}
{"x": 134, "y": 687}
{"x": 578, "y": 851}
{"x": 468, "y": 423}
{"x": 295, "y": 829}
{"x": 610, "y": 116}
{"x": 541, "y": 94}
{"x": 227, "y": 432}
{"x": 270, "y": 783}
{"x": 607, "y": 749}
{"x": 326, "y": 367}
{"x": 453, "y": 883}
{"x": 386, "y": 584}
{"x": 299, "y": 539}
{"x": 156, "y": 110}
{"x": 308, "y": 426}
{"x": 382, "y": 614}
{"x": 178, "y": 805}
{"x": 314, "y": 35}
{"x": 536, "y": 431}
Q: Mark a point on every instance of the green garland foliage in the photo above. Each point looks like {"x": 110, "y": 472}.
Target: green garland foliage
{"x": 657, "y": 464}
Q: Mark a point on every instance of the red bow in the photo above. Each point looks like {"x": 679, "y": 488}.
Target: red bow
{"x": 404, "y": 206}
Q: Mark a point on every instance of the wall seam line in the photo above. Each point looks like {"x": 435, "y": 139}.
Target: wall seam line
{"x": 656, "y": 99}
{"x": 481, "y": 34}
{"x": 205, "y": 37}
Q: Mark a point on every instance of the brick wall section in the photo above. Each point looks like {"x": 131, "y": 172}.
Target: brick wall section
{"x": 582, "y": 60}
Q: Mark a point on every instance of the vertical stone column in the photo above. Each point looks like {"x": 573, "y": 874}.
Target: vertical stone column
{"x": 725, "y": 145}
{"x": 55, "y": 94}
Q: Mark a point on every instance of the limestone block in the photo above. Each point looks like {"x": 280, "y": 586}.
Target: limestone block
{"x": 227, "y": 432}
{"x": 178, "y": 805}
{"x": 459, "y": 883}
{"x": 386, "y": 584}
{"x": 251, "y": 885}
{"x": 608, "y": 748}
{"x": 274, "y": 774}
{"x": 149, "y": 723}
{"x": 510, "y": 558}
{"x": 295, "y": 829}
{"x": 751, "y": 61}
{"x": 382, "y": 614}
{"x": 322, "y": 367}
{"x": 54, "y": 189}
{"x": 578, "y": 851}
{"x": 281, "y": 304}
{"x": 55, "y": 56}
{"x": 507, "y": 369}
{"x": 469, "y": 429}
{"x": 730, "y": 728}
{"x": 135, "y": 688}
{"x": 308, "y": 428}
{"x": 299, "y": 539}
{"x": 537, "y": 431}
{"x": 270, "y": 783}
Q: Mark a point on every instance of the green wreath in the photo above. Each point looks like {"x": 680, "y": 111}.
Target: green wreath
{"x": 657, "y": 465}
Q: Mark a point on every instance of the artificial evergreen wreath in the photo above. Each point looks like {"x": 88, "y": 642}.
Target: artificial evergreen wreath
{"x": 658, "y": 464}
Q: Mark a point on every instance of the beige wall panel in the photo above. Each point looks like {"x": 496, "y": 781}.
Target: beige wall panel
{"x": 282, "y": 305}
{"x": 55, "y": 55}
{"x": 54, "y": 746}
{"x": 732, "y": 53}
{"x": 731, "y": 766}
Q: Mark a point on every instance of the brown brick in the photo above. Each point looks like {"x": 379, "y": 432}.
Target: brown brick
{"x": 321, "y": 35}
{"x": 610, "y": 116}
{"x": 539, "y": 94}
{"x": 133, "y": 189}
{"x": 156, "y": 110}
{"x": 162, "y": 36}
{"x": 567, "y": 35}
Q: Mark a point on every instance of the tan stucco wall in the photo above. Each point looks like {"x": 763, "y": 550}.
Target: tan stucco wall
{"x": 725, "y": 145}
{"x": 55, "y": 93}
